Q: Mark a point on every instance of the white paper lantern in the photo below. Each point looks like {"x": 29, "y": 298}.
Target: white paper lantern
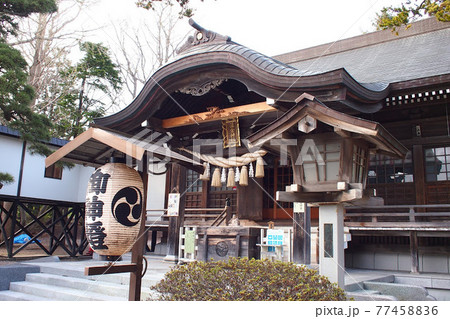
{"x": 114, "y": 201}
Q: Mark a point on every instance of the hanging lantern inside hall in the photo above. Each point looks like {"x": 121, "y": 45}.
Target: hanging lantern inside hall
{"x": 114, "y": 201}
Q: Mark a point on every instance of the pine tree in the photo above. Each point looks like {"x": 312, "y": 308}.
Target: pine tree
{"x": 15, "y": 93}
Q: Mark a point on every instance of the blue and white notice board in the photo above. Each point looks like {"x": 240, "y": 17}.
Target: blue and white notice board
{"x": 275, "y": 237}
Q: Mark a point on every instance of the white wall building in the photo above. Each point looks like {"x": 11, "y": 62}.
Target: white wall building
{"x": 69, "y": 186}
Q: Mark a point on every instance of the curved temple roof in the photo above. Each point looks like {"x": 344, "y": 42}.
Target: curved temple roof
{"x": 207, "y": 57}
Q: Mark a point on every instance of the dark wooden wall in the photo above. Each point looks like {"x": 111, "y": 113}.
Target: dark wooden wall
{"x": 250, "y": 200}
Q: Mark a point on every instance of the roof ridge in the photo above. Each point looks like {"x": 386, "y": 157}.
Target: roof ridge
{"x": 55, "y": 141}
{"x": 201, "y": 37}
{"x": 362, "y": 40}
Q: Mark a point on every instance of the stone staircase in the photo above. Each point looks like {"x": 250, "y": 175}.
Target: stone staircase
{"x": 66, "y": 281}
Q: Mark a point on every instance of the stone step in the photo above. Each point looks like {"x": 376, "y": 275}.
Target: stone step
{"x": 60, "y": 293}
{"x": 9, "y": 295}
{"x": 153, "y": 274}
{"x": 369, "y": 295}
{"x": 402, "y": 292}
{"x": 151, "y": 277}
{"x": 87, "y": 285}
{"x": 124, "y": 279}
{"x": 59, "y": 269}
{"x": 367, "y": 292}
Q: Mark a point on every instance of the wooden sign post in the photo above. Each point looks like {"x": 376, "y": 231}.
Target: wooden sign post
{"x": 301, "y": 245}
{"x": 137, "y": 252}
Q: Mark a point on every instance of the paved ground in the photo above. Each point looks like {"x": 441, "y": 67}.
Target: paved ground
{"x": 157, "y": 267}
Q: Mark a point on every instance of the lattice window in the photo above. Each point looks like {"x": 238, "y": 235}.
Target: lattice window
{"x": 437, "y": 164}
{"x": 193, "y": 200}
{"x": 387, "y": 170}
{"x": 284, "y": 177}
{"x": 193, "y": 189}
{"x": 269, "y": 186}
{"x": 314, "y": 168}
{"x": 217, "y": 199}
{"x": 193, "y": 181}
{"x": 276, "y": 178}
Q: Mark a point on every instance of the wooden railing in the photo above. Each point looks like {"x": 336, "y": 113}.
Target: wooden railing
{"x": 408, "y": 220}
{"x": 399, "y": 217}
{"x": 200, "y": 216}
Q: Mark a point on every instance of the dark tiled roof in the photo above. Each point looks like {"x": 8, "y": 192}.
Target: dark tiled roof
{"x": 395, "y": 60}
{"x": 264, "y": 62}
{"x": 10, "y": 132}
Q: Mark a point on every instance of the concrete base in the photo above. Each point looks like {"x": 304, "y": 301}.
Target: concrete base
{"x": 15, "y": 272}
{"x": 395, "y": 259}
{"x": 171, "y": 258}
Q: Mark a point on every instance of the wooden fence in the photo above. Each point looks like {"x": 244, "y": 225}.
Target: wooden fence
{"x": 48, "y": 225}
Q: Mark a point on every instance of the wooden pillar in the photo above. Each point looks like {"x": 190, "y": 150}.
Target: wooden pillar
{"x": 301, "y": 243}
{"x": 419, "y": 174}
{"x": 414, "y": 249}
{"x": 7, "y": 226}
{"x": 137, "y": 253}
{"x": 250, "y": 200}
{"x": 420, "y": 192}
{"x": 205, "y": 195}
{"x": 178, "y": 185}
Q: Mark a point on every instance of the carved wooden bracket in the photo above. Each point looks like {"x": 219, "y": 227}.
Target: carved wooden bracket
{"x": 202, "y": 89}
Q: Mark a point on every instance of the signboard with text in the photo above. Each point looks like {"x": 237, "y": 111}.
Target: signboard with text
{"x": 173, "y": 206}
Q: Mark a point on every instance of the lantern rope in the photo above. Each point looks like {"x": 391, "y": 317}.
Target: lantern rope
{"x": 234, "y": 161}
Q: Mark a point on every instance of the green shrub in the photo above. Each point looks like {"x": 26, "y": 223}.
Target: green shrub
{"x": 244, "y": 279}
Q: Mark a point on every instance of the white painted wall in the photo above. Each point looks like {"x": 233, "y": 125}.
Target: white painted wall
{"x": 156, "y": 191}
{"x": 72, "y": 186}
{"x": 10, "y": 154}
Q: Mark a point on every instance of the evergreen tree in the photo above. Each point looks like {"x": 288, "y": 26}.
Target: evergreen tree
{"x": 15, "y": 93}
{"x": 94, "y": 77}
{"x": 10, "y": 10}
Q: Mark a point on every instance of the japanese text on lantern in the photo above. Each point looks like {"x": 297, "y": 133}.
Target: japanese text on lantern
{"x": 94, "y": 209}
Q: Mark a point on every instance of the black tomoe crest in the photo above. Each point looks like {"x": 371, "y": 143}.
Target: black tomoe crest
{"x": 126, "y": 206}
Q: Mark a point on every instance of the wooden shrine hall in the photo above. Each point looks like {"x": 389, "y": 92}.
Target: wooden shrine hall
{"x": 229, "y": 115}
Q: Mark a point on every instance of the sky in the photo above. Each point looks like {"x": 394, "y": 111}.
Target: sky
{"x": 270, "y": 27}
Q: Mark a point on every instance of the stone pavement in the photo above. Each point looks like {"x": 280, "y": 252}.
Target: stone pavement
{"x": 67, "y": 276}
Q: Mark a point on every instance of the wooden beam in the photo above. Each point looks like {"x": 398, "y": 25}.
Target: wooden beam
{"x": 342, "y": 133}
{"x": 218, "y": 114}
{"x": 66, "y": 149}
{"x": 109, "y": 269}
{"x": 323, "y": 187}
{"x": 406, "y": 225}
{"x": 130, "y": 146}
{"x": 338, "y": 197}
{"x": 308, "y": 105}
